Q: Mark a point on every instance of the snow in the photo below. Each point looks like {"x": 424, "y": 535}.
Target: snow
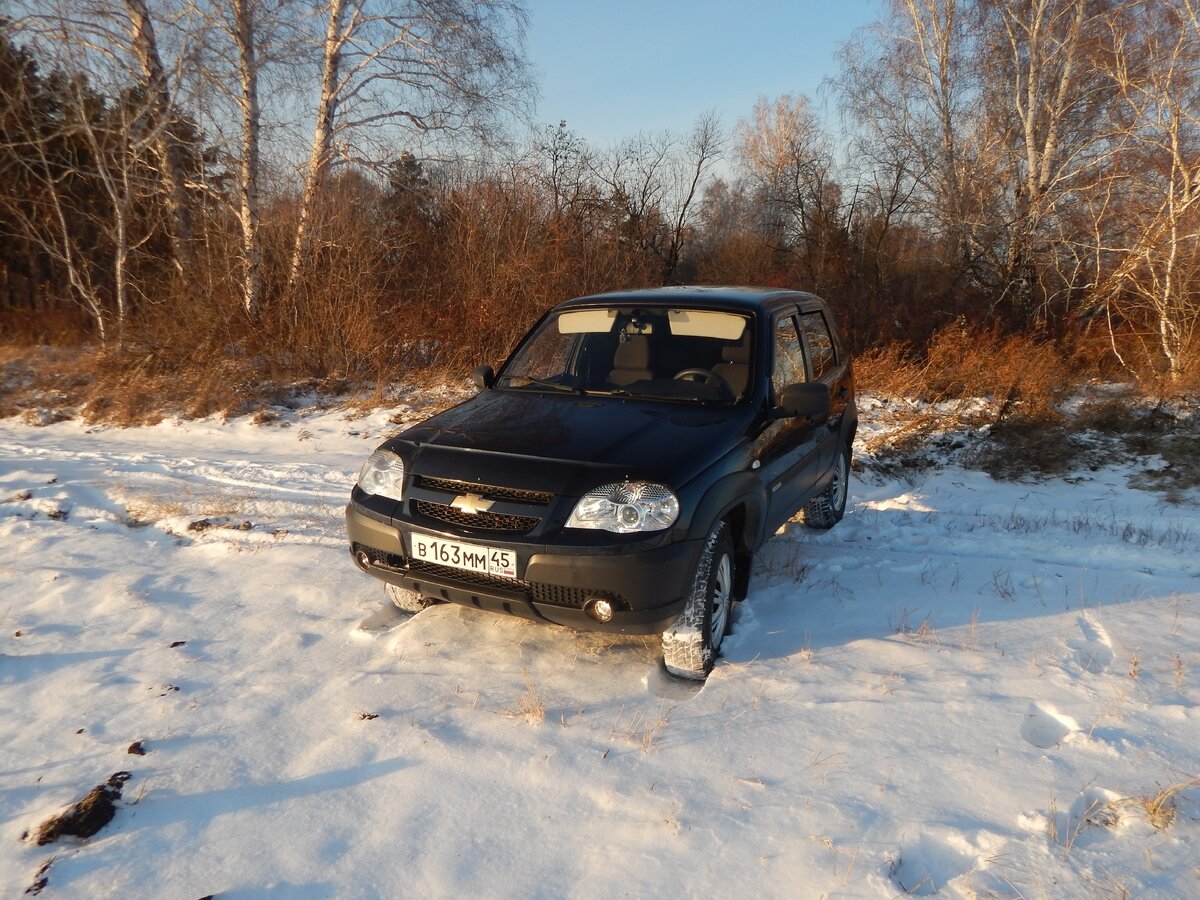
{"x": 968, "y": 687}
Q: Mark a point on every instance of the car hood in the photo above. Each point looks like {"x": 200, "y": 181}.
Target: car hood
{"x": 565, "y": 443}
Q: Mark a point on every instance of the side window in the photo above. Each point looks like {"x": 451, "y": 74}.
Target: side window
{"x": 820, "y": 344}
{"x": 788, "y": 364}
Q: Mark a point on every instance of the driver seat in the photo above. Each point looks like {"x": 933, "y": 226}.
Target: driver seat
{"x": 631, "y": 361}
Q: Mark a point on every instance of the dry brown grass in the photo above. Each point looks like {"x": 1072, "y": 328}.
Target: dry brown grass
{"x": 962, "y": 362}
{"x": 1161, "y": 806}
{"x": 643, "y": 728}
{"x": 529, "y": 705}
{"x": 890, "y": 371}
{"x": 37, "y": 378}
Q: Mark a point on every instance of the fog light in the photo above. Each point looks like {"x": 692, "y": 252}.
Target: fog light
{"x": 599, "y": 609}
{"x": 363, "y": 560}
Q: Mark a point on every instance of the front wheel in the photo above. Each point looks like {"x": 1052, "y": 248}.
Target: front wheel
{"x": 827, "y": 508}
{"x": 691, "y": 645}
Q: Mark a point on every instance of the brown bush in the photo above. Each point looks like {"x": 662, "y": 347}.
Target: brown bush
{"x": 963, "y": 363}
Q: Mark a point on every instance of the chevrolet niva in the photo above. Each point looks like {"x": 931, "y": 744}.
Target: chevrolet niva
{"x": 620, "y": 470}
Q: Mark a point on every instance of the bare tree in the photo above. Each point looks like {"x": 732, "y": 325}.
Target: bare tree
{"x": 119, "y": 41}
{"x": 1048, "y": 103}
{"x": 701, "y": 150}
{"x": 421, "y": 65}
{"x": 1156, "y": 275}
{"x": 910, "y": 88}
{"x": 91, "y": 177}
{"x": 655, "y": 182}
{"x": 785, "y": 155}
{"x": 997, "y": 113}
{"x": 241, "y": 38}
{"x": 170, "y": 150}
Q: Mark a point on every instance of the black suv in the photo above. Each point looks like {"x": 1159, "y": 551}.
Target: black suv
{"x": 620, "y": 470}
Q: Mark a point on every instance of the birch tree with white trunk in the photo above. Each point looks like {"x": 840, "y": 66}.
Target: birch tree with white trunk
{"x": 241, "y": 39}
{"x": 395, "y": 71}
{"x": 1156, "y": 279}
{"x": 93, "y": 174}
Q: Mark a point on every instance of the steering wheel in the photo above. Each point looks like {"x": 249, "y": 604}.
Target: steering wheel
{"x": 703, "y": 375}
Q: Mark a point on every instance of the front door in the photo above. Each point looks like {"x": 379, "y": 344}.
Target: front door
{"x": 791, "y": 448}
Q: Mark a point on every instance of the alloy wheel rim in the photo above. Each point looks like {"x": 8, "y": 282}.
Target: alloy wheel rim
{"x": 837, "y": 494}
{"x": 722, "y": 590}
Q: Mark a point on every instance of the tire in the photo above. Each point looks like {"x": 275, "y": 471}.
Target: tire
{"x": 691, "y": 645}
{"x": 827, "y": 508}
{"x": 406, "y": 600}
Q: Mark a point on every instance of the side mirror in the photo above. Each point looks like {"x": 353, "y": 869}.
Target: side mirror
{"x": 483, "y": 377}
{"x": 808, "y": 399}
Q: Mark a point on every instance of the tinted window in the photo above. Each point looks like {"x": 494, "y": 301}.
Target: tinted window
{"x": 788, "y": 367}
{"x": 820, "y": 344}
{"x": 662, "y": 353}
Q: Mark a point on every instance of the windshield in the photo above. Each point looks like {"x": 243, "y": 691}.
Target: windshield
{"x": 664, "y": 353}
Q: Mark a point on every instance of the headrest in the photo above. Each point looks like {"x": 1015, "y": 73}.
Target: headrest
{"x": 737, "y": 353}
{"x": 633, "y": 353}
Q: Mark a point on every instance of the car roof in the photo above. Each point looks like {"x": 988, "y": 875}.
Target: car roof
{"x": 750, "y": 299}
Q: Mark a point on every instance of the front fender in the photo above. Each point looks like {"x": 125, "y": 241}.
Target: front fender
{"x": 738, "y": 489}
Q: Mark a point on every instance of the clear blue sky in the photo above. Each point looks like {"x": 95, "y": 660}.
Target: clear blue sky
{"x": 612, "y": 68}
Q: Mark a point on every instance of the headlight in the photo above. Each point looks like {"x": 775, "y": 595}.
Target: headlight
{"x": 626, "y": 507}
{"x": 382, "y": 474}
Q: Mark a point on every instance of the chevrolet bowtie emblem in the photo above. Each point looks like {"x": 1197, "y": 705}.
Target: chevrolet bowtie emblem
{"x": 471, "y": 504}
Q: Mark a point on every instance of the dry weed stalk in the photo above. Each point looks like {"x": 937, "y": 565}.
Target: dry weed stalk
{"x": 926, "y": 634}
{"x": 1161, "y": 807}
{"x": 973, "y": 632}
{"x": 529, "y": 704}
{"x": 641, "y": 729}
{"x": 1099, "y": 814}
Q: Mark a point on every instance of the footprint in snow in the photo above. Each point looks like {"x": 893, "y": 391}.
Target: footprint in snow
{"x": 1092, "y": 649}
{"x": 932, "y": 861}
{"x": 1045, "y": 728}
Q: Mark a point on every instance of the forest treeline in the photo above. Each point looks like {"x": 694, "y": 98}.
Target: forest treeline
{"x": 282, "y": 189}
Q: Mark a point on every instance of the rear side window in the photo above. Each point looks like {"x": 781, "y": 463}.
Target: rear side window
{"x": 788, "y": 367}
{"x": 820, "y": 344}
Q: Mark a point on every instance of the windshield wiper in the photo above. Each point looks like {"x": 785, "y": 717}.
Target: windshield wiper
{"x": 650, "y": 395}
{"x": 543, "y": 382}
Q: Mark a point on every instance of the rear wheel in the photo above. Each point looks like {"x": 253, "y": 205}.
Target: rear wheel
{"x": 405, "y": 600}
{"x": 691, "y": 645}
{"x": 827, "y": 508}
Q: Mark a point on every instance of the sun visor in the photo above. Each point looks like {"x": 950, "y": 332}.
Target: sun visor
{"x": 587, "y": 321}
{"x": 706, "y": 323}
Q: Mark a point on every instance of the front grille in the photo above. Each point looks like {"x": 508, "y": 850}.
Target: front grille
{"x": 492, "y": 492}
{"x": 481, "y": 521}
{"x": 550, "y": 594}
{"x": 557, "y": 595}
{"x": 420, "y": 567}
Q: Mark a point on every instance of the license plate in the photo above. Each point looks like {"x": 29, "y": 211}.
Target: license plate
{"x": 471, "y": 557}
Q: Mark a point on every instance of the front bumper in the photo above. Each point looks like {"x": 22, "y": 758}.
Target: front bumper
{"x": 648, "y": 584}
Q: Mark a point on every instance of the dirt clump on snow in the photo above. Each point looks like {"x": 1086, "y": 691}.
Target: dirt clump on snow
{"x": 41, "y": 878}
{"x": 88, "y": 816}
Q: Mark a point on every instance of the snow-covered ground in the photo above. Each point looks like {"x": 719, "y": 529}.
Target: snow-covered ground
{"x": 968, "y": 687}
